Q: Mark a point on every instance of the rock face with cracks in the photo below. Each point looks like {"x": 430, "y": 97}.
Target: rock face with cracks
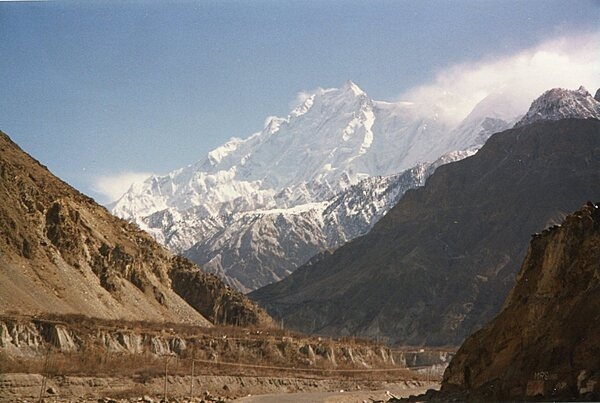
{"x": 546, "y": 340}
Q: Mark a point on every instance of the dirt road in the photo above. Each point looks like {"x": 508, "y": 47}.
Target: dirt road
{"x": 355, "y": 396}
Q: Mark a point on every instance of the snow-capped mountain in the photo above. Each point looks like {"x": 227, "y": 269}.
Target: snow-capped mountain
{"x": 334, "y": 139}
{"x": 489, "y": 116}
{"x": 560, "y": 103}
{"x": 256, "y": 208}
{"x": 273, "y": 243}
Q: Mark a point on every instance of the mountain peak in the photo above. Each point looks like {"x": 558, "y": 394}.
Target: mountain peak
{"x": 346, "y": 93}
{"x": 331, "y": 141}
{"x": 560, "y": 103}
{"x": 350, "y": 86}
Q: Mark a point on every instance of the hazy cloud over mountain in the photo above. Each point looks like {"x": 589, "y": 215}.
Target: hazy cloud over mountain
{"x": 567, "y": 61}
{"x": 113, "y": 186}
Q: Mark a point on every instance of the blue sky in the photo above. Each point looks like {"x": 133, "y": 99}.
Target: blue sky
{"x": 101, "y": 91}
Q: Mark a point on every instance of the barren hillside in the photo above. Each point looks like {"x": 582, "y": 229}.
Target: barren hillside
{"x": 62, "y": 253}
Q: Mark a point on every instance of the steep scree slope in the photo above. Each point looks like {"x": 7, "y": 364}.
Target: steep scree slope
{"x": 62, "y": 253}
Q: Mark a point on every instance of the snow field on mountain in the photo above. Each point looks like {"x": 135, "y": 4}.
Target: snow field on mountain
{"x": 255, "y": 209}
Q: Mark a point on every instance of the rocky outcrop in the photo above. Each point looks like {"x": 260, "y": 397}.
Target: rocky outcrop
{"x": 423, "y": 357}
{"x": 35, "y": 337}
{"x": 61, "y": 253}
{"x": 439, "y": 265}
{"x": 546, "y": 341}
{"x": 59, "y": 337}
{"x": 20, "y": 338}
{"x": 560, "y": 103}
{"x": 216, "y": 301}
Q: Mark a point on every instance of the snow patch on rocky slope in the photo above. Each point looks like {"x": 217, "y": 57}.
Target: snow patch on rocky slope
{"x": 560, "y": 103}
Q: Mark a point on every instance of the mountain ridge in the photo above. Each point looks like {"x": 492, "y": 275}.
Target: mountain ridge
{"x": 560, "y": 103}
{"x": 441, "y": 261}
{"x": 332, "y": 141}
{"x": 284, "y": 239}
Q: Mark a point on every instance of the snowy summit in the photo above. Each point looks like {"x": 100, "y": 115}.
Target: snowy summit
{"x": 560, "y": 103}
{"x": 266, "y": 203}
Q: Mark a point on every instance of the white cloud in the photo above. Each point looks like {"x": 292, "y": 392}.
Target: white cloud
{"x": 302, "y": 96}
{"x": 566, "y": 62}
{"x": 114, "y": 186}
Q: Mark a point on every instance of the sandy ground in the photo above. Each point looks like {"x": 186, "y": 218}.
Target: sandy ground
{"x": 359, "y": 396}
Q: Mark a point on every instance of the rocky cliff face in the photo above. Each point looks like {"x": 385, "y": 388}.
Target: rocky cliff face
{"x": 546, "y": 340}
{"x": 440, "y": 263}
{"x": 62, "y": 253}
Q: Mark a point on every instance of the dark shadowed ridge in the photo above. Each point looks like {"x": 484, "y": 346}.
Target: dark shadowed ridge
{"x": 441, "y": 262}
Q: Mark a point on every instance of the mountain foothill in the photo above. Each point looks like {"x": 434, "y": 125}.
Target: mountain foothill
{"x": 63, "y": 254}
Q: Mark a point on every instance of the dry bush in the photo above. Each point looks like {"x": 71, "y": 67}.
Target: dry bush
{"x": 10, "y": 364}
